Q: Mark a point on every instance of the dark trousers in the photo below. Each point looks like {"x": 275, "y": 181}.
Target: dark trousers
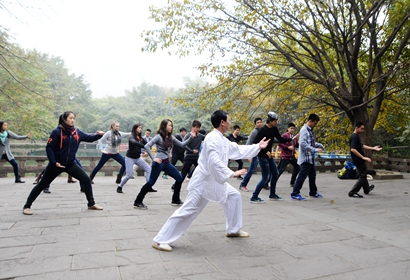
{"x": 240, "y": 164}
{"x": 13, "y": 163}
{"x": 52, "y": 172}
{"x": 186, "y": 168}
{"x": 79, "y": 164}
{"x": 104, "y": 158}
{"x": 251, "y": 170}
{"x": 306, "y": 170}
{"x": 284, "y": 163}
{"x": 361, "y": 181}
{"x": 155, "y": 171}
{"x": 176, "y": 157}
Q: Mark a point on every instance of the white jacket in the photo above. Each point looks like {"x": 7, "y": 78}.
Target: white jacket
{"x": 212, "y": 172}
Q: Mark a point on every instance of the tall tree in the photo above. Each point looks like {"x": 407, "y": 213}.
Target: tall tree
{"x": 24, "y": 96}
{"x": 351, "y": 54}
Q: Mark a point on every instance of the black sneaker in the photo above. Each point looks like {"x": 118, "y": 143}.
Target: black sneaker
{"x": 356, "y": 195}
{"x": 141, "y": 206}
{"x": 19, "y": 181}
{"x": 46, "y": 191}
{"x": 152, "y": 190}
{"x": 119, "y": 190}
{"x": 371, "y": 187}
{"x": 177, "y": 203}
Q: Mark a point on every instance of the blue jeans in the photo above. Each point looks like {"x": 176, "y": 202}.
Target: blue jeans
{"x": 251, "y": 170}
{"x": 104, "y": 158}
{"x": 168, "y": 168}
{"x": 268, "y": 167}
{"x": 156, "y": 169}
{"x": 306, "y": 170}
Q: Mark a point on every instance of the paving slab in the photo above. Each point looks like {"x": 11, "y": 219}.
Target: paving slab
{"x": 334, "y": 237}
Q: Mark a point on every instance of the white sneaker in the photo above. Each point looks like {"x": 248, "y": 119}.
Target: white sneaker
{"x": 162, "y": 247}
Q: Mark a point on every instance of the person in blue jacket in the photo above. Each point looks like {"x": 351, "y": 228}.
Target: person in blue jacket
{"x": 61, "y": 150}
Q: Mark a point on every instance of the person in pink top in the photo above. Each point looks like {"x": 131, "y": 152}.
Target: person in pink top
{"x": 288, "y": 152}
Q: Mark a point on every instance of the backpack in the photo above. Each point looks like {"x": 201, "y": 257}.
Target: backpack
{"x": 349, "y": 171}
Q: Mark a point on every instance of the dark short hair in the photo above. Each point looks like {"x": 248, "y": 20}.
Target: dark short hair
{"x": 202, "y": 131}
{"x": 235, "y": 127}
{"x": 217, "y": 117}
{"x": 182, "y": 129}
{"x": 148, "y": 130}
{"x": 313, "y": 117}
{"x": 358, "y": 124}
{"x": 257, "y": 119}
{"x": 291, "y": 125}
{"x": 196, "y": 123}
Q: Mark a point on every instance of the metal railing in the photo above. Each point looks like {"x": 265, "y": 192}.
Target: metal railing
{"x": 35, "y": 164}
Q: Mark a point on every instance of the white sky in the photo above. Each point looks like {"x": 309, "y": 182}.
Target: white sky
{"x": 100, "y": 39}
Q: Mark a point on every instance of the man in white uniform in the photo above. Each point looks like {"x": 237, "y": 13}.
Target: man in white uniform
{"x": 209, "y": 183}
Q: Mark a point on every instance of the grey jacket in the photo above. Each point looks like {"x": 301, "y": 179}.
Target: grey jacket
{"x": 161, "y": 152}
{"x": 6, "y": 147}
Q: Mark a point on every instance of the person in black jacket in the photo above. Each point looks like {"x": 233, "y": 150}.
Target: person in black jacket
{"x": 265, "y": 158}
{"x": 235, "y": 137}
{"x": 192, "y": 150}
{"x": 359, "y": 159}
{"x": 61, "y": 149}
{"x": 133, "y": 156}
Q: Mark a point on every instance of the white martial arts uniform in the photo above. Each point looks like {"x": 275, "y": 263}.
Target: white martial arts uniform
{"x": 209, "y": 184}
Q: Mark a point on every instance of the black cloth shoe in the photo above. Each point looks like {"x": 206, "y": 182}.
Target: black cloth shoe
{"x": 141, "y": 206}
{"x": 152, "y": 190}
{"x": 371, "y": 187}
{"x": 119, "y": 190}
{"x": 46, "y": 191}
{"x": 177, "y": 203}
{"x": 356, "y": 195}
{"x": 19, "y": 181}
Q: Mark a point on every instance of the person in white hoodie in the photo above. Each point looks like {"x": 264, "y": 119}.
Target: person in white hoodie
{"x": 209, "y": 183}
{"x": 113, "y": 139}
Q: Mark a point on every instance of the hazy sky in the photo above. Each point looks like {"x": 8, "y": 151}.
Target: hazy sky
{"x": 98, "y": 38}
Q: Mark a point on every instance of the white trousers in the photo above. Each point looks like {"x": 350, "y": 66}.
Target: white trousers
{"x": 194, "y": 203}
{"x": 129, "y": 169}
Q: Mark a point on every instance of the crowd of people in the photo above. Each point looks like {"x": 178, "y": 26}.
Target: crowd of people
{"x": 204, "y": 158}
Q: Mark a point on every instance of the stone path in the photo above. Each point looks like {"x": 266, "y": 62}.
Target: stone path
{"x": 334, "y": 237}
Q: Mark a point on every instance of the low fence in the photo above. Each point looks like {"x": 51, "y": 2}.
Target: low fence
{"x": 33, "y": 165}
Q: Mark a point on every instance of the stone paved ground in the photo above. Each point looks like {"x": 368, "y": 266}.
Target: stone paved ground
{"x": 351, "y": 238}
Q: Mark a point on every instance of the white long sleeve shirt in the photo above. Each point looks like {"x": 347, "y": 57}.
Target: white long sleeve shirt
{"x": 212, "y": 172}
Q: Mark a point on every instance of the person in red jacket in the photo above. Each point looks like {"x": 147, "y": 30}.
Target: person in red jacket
{"x": 287, "y": 154}
{"x": 61, "y": 149}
